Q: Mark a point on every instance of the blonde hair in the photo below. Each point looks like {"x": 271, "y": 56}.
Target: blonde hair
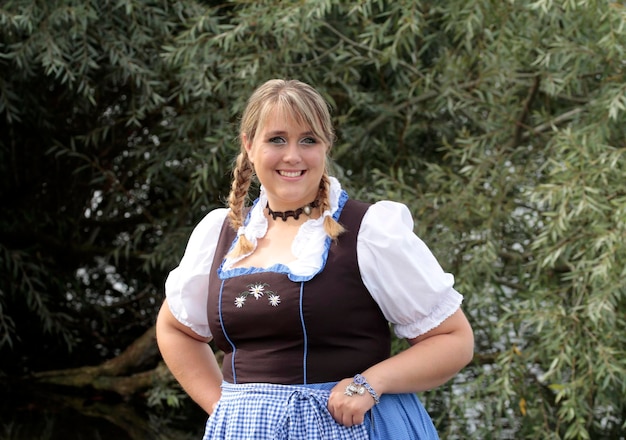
{"x": 308, "y": 108}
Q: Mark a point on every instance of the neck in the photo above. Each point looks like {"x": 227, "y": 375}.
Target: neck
{"x": 306, "y": 209}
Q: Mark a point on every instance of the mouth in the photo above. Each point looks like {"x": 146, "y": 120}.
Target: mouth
{"x": 291, "y": 173}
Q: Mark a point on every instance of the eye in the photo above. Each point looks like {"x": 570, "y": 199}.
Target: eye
{"x": 308, "y": 140}
{"x": 277, "y": 140}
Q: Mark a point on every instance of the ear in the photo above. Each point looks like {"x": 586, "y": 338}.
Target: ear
{"x": 247, "y": 144}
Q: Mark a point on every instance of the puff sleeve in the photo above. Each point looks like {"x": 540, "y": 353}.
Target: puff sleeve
{"x": 401, "y": 273}
{"x": 186, "y": 287}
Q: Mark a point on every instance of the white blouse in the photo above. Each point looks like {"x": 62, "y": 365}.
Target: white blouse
{"x": 398, "y": 269}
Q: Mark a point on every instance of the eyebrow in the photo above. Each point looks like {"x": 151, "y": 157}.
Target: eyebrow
{"x": 283, "y": 133}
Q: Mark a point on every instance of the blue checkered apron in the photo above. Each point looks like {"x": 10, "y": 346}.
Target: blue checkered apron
{"x": 277, "y": 412}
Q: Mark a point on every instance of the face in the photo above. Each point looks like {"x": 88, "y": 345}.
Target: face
{"x": 289, "y": 161}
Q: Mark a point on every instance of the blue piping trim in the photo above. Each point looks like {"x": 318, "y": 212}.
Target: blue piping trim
{"x": 232, "y": 366}
{"x": 343, "y": 198}
{"x": 238, "y": 271}
{"x": 304, "y": 335}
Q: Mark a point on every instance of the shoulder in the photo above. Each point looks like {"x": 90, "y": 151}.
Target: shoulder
{"x": 208, "y": 229}
{"x": 384, "y": 215}
{"x": 213, "y": 219}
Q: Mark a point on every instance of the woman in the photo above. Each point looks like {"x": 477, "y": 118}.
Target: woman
{"x": 299, "y": 290}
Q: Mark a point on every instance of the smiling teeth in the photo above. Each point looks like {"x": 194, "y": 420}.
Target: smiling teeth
{"x": 290, "y": 173}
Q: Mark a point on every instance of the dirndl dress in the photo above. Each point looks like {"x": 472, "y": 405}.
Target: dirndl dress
{"x": 288, "y": 336}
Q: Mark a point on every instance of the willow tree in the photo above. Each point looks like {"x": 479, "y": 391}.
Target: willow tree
{"x": 499, "y": 123}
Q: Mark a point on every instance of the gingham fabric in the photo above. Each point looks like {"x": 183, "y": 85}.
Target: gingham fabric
{"x": 261, "y": 411}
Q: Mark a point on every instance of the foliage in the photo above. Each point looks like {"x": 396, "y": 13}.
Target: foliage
{"x": 93, "y": 200}
{"x": 500, "y": 124}
{"x": 527, "y": 209}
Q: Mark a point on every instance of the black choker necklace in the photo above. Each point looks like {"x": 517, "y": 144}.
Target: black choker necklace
{"x": 295, "y": 214}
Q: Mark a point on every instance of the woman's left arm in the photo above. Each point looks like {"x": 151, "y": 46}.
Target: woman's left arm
{"x": 433, "y": 359}
{"x": 418, "y": 297}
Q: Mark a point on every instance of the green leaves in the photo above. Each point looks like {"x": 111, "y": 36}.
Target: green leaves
{"x": 525, "y": 205}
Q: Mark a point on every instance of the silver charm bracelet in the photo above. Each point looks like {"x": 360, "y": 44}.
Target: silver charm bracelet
{"x": 358, "y": 386}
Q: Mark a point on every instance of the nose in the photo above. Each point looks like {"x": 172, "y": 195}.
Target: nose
{"x": 292, "y": 153}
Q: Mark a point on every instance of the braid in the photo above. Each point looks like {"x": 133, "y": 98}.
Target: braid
{"x": 242, "y": 176}
{"x": 331, "y": 226}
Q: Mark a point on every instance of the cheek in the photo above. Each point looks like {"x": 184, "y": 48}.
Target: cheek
{"x": 264, "y": 158}
{"x": 321, "y": 160}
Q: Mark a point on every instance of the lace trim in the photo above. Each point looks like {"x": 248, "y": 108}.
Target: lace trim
{"x": 440, "y": 313}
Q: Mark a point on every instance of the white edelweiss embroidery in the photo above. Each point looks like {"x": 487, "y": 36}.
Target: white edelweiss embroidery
{"x": 274, "y": 300}
{"x": 257, "y": 290}
{"x": 240, "y": 301}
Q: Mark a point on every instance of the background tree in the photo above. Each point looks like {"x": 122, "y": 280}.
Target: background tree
{"x": 499, "y": 123}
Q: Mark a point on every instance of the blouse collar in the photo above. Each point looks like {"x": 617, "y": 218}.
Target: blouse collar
{"x": 310, "y": 245}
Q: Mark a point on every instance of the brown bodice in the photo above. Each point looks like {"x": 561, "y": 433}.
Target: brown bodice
{"x": 272, "y": 329}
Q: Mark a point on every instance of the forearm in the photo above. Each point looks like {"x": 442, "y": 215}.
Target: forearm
{"x": 432, "y": 359}
{"x": 428, "y": 363}
{"x": 190, "y": 359}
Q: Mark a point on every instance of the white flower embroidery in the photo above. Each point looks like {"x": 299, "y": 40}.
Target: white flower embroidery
{"x": 257, "y": 290}
{"x": 274, "y": 300}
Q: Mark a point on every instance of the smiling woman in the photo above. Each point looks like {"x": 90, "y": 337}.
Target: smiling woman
{"x": 301, "y": 306}
{"x": 116, "y": 120}
{"x": 288, "y": 158}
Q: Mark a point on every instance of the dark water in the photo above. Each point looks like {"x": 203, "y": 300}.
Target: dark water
{"x": 28, "y": 413}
